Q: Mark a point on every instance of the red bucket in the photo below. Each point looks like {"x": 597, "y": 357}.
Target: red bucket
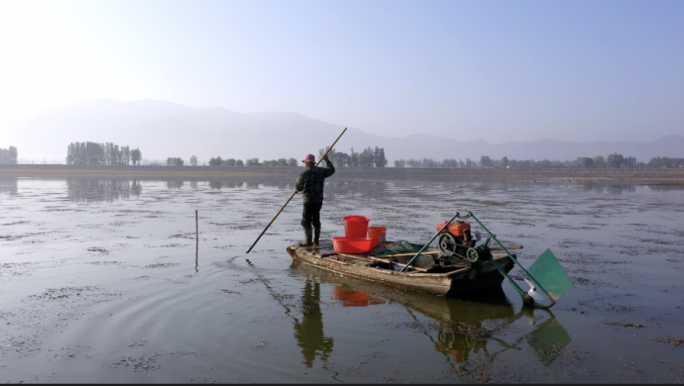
{"x": 377, "y": 234}
{"x": 351, "y": 244}
{"x": 356, "y": 226}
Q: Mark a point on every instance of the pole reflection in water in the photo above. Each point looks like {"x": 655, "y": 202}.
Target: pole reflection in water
{"x": 309, "y": 332}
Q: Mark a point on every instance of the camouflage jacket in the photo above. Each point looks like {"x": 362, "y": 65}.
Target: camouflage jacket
{"x": 311, "y": 180}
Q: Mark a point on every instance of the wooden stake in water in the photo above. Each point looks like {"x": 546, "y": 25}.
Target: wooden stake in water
{"x": 196, "y": 241}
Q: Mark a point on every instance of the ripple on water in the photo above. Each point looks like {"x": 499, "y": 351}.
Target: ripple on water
{"x": 151, "y": 309}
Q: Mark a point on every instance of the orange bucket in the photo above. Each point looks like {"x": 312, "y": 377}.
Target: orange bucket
{"x": 377, "y": 236}
{"x": 356, "y": 226}
{"x": 455, "y": 228}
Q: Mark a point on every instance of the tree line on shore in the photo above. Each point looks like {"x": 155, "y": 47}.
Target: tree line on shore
{"x": 8, "y": 156}
{"x": 369, "y": 157}
{"x": 92, "y": 153}
{"x": 614, "y": 160}
{"x": 666, "y": 162}
{"x": 108, "y": 153}
{"x": 177, "y": 161}
{"x": 218, "y": 161}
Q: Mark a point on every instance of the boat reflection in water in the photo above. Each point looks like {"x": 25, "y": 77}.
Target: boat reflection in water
{"x": 351, "y": 298}
{"x": 464, "y": 326}
{"x": 458, "y": 337}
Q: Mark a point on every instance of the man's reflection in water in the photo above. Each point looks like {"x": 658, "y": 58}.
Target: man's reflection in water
{"x": 309, "y": 333}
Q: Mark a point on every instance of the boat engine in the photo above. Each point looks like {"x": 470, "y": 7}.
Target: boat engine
{"x": 456, "y": 242}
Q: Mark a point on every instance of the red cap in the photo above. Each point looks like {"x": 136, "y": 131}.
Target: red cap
{"x": 310, "y": 158}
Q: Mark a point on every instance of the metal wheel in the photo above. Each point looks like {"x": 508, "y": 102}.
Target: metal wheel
{"x": 447, "y": 244}
{"x": 472, "y": 255}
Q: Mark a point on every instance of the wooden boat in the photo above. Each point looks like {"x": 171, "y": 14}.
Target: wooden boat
{"x": 458, "y": 279}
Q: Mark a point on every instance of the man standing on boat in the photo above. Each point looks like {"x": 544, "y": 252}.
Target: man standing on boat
{"x": 310, "y": 183}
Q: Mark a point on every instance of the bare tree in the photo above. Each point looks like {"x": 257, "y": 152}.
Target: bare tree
{"x": 366, "y": 158}
{"x": 485, "y": 161}
{"x": 174, "y": 161}
{"x": 379, "y": 159}
{"x": 136, "y": 156}
{"x": 8, "y": 156}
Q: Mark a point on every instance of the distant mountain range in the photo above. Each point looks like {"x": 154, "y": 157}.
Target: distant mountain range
{"x": 163, "y": 129}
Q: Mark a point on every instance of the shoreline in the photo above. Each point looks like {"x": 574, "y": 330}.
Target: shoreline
{"x": 672, "y": 176}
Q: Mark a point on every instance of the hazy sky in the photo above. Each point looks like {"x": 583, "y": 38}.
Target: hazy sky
{"x": 496, "y": 70}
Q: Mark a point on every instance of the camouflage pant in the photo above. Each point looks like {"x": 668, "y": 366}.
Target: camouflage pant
{"x": 311, "y": 214}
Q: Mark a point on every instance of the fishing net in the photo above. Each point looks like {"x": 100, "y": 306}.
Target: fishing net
{"x": 401, "y": 246}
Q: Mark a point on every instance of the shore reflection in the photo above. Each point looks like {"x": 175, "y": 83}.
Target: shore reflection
{"x": 8, "y": 185}
{"x": 89, "y": 190}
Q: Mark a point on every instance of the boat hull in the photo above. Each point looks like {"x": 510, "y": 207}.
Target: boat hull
{"x": 465, "y": 281}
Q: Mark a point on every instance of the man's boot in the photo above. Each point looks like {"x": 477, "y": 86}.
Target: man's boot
{"x": 317, "y": 235}
{"x": 307, "y": 234}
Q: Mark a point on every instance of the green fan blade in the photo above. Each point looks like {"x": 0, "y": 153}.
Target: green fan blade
{"x": 548, "y": 272}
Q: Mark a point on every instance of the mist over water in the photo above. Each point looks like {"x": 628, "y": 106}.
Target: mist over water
{"x": 102, "y": 281}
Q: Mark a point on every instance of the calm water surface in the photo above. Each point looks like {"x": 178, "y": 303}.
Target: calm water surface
{"x": 101, "y": 281}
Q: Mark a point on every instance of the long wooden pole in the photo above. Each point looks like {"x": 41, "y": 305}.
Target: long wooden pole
{"x": 293, "y": 194}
